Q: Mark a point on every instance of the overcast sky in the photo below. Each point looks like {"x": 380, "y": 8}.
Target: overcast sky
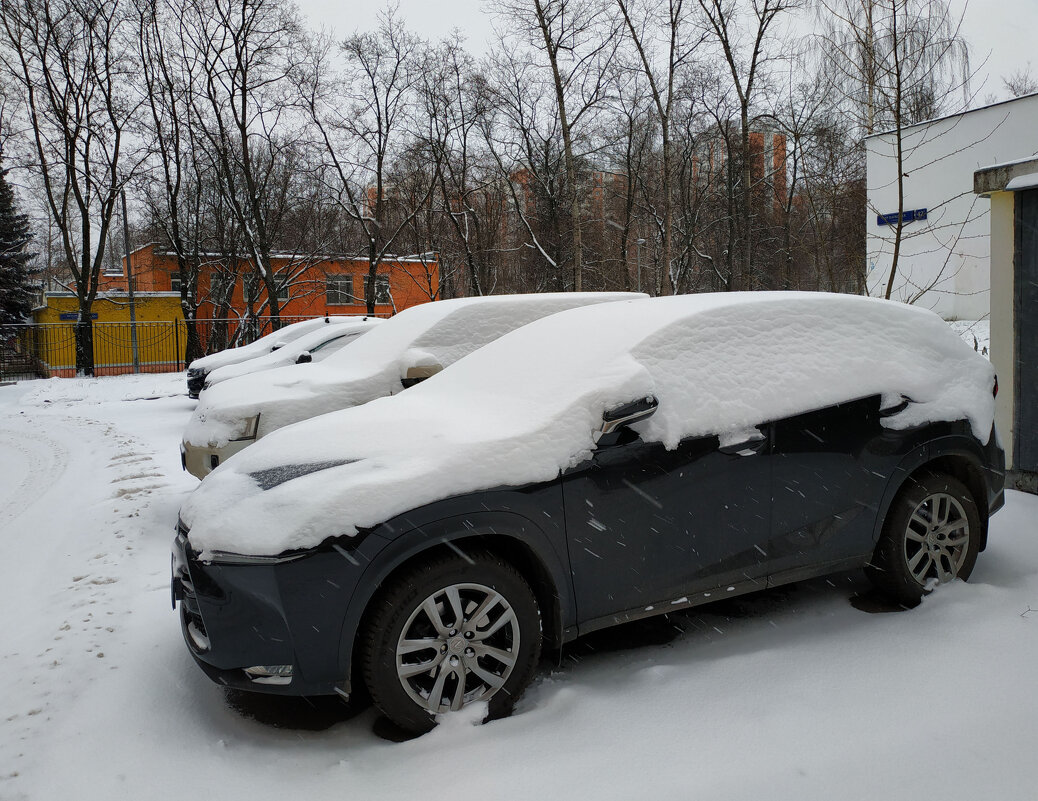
{"x": 1001, "y": 31}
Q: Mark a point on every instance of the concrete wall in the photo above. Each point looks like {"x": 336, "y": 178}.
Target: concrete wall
{"x": 1002, "y": 322}
{"x": 944, "y": 260}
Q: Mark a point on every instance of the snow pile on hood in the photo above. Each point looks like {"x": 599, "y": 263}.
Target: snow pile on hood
{"x": 341, "y": 333}
{"x": 263, "y": 345}
{"x": 432, "y": 334}
{"x": 527, "y": 406}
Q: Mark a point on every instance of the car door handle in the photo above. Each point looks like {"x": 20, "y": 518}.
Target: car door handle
{"x": 749, "y": 447}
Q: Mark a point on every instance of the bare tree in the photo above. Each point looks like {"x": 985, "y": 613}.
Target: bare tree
{"x": 667, "y": 21}
{"x": 746, "y": 56}
{"x": 898, "y": 63}
{"x": 170, "y": 73}
{"x": 71, "y": 61}
{"x": 1021, "y": 82}
{"x": 521, "y": 133}
{"x": 578, "y": 41}
{"x": 248, "y": 51}
{"x": 361, "y": 116}
{"x": 455, "y": 101}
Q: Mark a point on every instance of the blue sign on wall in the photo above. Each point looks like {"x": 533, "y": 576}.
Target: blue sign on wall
{"x": 911, "y": 215}
{"x": 74, "y": 316}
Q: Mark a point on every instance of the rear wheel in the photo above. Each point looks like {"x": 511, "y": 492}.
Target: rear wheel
{"x": 450, "y": 633}
{"x": 931, "y": 536}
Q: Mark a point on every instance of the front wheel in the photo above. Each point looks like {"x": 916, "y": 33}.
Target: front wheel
{"x": 449, "y": 633}
{"x": 931, "y": 536}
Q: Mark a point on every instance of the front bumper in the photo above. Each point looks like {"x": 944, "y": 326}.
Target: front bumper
{"x": 284, "y": 613}
{"x": 195, "y": 383}
{"x": 200, "y": 460}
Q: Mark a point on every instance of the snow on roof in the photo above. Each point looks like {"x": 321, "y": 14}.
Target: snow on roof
{"x": 1028, "y": 181}
{"x": 437, "y": 333}
{"x": 527, "y": 406}
{"x": 1022, "y": 99}
{"x": 291, "y": 351}
{"x": 264, "y": 344}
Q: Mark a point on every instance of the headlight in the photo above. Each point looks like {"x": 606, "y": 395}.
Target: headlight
{"x": 247, "y": 429}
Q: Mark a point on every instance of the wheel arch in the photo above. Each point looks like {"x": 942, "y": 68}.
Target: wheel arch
{"x": 503, "y": 534}
{"x": 958, "y": 461}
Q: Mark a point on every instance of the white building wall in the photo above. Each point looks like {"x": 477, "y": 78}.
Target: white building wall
{"x": 944, "y": 260}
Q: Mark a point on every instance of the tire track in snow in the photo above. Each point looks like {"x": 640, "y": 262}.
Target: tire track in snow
{"x": 40, "y": 460}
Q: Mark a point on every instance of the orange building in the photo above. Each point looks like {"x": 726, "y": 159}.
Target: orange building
{"x": 308, "y": 286}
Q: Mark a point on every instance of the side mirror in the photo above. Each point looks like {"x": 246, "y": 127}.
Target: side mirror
{"x": 619, "y": 417}
{"x": 304, "y": 358}
{"x": 417, "y": 374}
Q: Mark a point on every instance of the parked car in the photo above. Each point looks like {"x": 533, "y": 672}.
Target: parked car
{"x": 200, "y": 368}
{"x": 407, "y": 348}
{"x": 311, "y": 348}
{"x": 594, "y": 467}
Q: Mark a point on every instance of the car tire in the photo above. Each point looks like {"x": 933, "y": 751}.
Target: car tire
{"x": 931, "y": 536}
{"x": 464, "y": 629}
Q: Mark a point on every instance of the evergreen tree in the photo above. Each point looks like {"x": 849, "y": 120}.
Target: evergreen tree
{"x": 16, "y": 292}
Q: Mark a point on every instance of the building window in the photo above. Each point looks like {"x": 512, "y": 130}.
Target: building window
{"x": 250, "y": 286}
{"x": 338, "y": 290}
{"x": 281, "y": 280}
{"x": 174, "y": 283}
{"x": 221, "y": 289}
{"x": 382, "y": 296}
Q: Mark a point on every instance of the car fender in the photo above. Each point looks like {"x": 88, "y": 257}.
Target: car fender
{"x": 954, "y": 444}
{"x": 409, "y": 538}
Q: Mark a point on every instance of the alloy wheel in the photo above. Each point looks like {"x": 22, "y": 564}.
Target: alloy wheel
{"x": 458, "y": 646}
{"x": 936, "y": 538}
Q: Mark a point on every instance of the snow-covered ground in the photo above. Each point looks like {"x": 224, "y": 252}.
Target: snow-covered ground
{"x": 793, "y": 694}
{"x": 975, "y": 333}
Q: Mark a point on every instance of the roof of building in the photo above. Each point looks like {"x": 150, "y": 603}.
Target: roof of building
{"x": 955, "y": 115}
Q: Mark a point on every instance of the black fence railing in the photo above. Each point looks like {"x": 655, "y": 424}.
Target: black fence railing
{"x": 47, "y": 350}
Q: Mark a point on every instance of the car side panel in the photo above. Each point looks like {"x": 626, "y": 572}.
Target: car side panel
{"x": 646, "y": 523}
{"x": 831, "y": 467}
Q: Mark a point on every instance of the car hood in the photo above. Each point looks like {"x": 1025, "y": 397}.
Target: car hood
{"x": 361, "y": 466}
{"x": 285, "y": 395}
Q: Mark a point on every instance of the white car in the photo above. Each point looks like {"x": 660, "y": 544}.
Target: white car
{"x": 200, "y": 368}
{"x": 413, "y": 345}
{"x": 315, "y": 346}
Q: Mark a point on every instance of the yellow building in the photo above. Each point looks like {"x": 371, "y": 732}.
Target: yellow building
{"x": 161, "y": 340}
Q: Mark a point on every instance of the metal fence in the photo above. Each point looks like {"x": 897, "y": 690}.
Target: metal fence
{"x": 47, "y": 350}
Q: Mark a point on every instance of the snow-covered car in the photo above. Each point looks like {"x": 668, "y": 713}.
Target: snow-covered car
{"x": 597, "y": 466}
{"x": 314, "y": 347}
{"x": 201, "y": 367}
{"x": 407, "y": 348}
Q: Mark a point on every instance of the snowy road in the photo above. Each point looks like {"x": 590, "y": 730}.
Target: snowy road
{"x": 793, "y": 694}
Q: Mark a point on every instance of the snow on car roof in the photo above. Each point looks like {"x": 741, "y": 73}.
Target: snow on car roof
{"x": 449, "y": 327}
{"x": 437, "y": 333}
{"x": 527, "y": 406}
{"x": 264, "y": 344}
{"x": 288, "y": 354}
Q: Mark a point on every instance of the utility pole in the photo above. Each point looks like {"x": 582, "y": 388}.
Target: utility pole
{"x": 129, "y": 288}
